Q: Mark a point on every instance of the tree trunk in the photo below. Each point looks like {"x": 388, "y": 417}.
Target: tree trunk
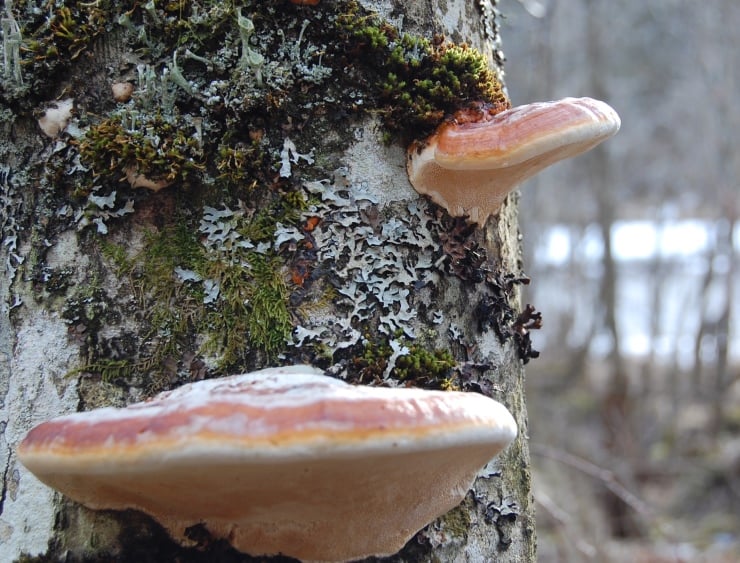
{"x": 285, "y": 232}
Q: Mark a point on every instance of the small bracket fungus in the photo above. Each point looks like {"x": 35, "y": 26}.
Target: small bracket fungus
{"x": 122, "y": 91}
{"x": 139, "y": 180}
{"x": 283, "y": 460}
{"x": 56, "y": 117}
{"x": 471, "y": 162}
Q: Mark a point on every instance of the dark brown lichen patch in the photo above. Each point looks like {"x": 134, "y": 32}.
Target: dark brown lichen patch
{"x": 466, "y": 258}
{"x": 529, "y": 319}
{"x": 494, "y": 311}
{"x": 503, "y": 515}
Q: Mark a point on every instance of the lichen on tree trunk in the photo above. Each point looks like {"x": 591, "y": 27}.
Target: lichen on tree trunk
{"x": 287, "y": 233}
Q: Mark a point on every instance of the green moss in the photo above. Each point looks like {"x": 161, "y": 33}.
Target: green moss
{"x": 285, "y": 209}
{"x": 109, "y": 370}
{"x": 268, "y": 323}
{"x": 117, "y": 254}
{"x": 420, "y": 365}
{"x": 420, "y": 80}
{"x": 176, "y": 245}
{"x": 173, "y": 308}
{"x": 238, "y": 166}
{"x": 372, "y": 360}
{"x": 457, "y": 521}
{"x": 251, "y": 312}
{"x": 423, "y": 365}
{"x": 155, "y": 147}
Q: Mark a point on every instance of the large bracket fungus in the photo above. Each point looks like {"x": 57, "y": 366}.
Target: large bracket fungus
{"x": 472, "y": 161}
{"x": 283, "y": 460}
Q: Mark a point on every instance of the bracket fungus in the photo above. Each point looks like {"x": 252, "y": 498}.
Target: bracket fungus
{"x": 56, "y": 117}
{"x": 472, "y": 161}
{"x": 139, "y": 180}
{"x": 122, "y": 91}
{"x": 283, "y": 460}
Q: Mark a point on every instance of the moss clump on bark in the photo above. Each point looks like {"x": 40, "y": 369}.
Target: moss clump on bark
{"x": 419, "y": 80}
{"x": 158, "y": 148}
{"x": 411, "y": 362}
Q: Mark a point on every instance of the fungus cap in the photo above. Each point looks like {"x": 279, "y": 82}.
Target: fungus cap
{"x": 283, "y": 460}
{"x": 139, "y": 180}
{"x": 471, "y": 163}
{"x": 122, "y": 91}
{"x": 56, "y": 117}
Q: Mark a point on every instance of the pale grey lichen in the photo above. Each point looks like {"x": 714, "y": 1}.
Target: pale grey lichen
{"x": 157, "y": 91}
{"x": 223, "y": 242}
{"x": 187, "y": 275}
{"x": 301, "y": 57}
{"x": 174, "y": 74}
{"x": 100, "y": 209}
{"x": 378, "y": 264}
{"x": 291, "y": 62}
{"x": 398, "y": 350}
{"x": 222, "y": 238}
{"x": 286, "y": 234}
{"x": 289, "y": 154}
{"x": 11, "y": 45}
{"x": 250, "y": 58}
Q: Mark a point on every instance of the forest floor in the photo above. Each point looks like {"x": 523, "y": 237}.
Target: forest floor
{"x": 668, "y": 491}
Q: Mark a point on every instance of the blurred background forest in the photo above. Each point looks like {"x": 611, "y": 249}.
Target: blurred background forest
{"x": 633, "y": 253}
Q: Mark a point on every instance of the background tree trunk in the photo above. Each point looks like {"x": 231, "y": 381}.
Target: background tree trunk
{"x": 98, "y": 310}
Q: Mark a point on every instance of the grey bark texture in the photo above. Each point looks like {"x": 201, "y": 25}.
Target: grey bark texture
{"x": 71, "y": 315}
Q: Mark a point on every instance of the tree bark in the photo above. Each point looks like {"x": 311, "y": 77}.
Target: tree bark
{"x": 98, "y": 310}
